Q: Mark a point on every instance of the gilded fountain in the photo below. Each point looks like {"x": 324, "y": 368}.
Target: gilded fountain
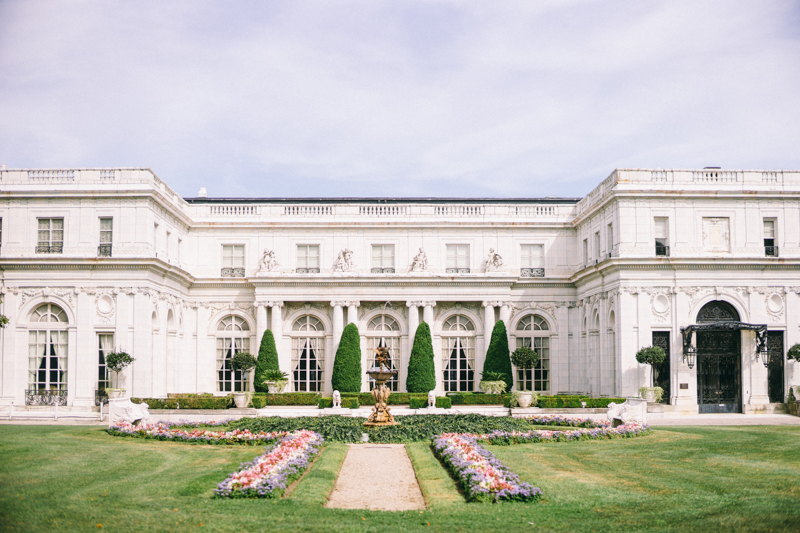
{"x": 381, "y": 373}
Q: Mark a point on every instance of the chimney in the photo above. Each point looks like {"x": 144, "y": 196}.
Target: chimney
{"x": 202, "y": 193}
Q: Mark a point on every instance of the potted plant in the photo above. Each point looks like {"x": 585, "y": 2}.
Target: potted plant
{"x": 493, "y": 382}
{"x": 524, "y": 358}
{"x": 243, "y": 362}
{"x": 794, "y": 352}
{"x": 116, "y": 361}
{"x": 276, "y": 381}
{"x": 651, "y": 355}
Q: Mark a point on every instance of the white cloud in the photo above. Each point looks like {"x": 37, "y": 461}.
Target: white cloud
{"x": 398, "y": 98}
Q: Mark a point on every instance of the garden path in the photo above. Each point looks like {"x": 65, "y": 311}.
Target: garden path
{"x": 377, "y": 477}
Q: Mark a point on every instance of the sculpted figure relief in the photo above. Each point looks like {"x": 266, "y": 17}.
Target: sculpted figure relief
{"x": 268, "y": 261}
{"x": 420, "y": 262}
{"x": 493, "y": 261}
{"x": 345, "y": 263}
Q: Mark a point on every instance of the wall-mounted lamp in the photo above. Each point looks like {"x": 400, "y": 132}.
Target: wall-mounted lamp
{"x": 689, "y": 355}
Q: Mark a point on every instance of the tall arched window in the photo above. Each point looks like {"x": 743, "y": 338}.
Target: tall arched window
{"x": 233, "y": 336}
{"x": 383, "y": 330}
{"x": 47, "y": 356}
{"x": 534, "y": 332}
{"x": 458, "y": 354}
{"x": 308, "y": 354}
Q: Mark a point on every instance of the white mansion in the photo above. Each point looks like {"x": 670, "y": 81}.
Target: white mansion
{"x": 98, "y": 259}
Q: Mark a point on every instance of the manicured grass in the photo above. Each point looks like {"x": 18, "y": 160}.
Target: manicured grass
{"x": 68, "y": 478}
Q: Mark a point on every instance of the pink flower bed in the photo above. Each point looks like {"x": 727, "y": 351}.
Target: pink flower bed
{"x": 165, "y": 431}
{"x": 268, "y": 475}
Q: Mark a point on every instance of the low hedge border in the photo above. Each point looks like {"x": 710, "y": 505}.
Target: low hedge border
{"x": 347, "y": 403}
{"x": 187, "y": 402}
{"x": 287, "y": 398}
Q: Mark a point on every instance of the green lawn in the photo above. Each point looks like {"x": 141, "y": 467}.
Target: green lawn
{"x": 68, "y": 478}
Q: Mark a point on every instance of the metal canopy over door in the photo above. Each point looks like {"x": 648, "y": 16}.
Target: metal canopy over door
{"x": 719, "y": 371}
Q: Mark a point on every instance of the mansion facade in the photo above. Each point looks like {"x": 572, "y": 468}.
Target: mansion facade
{"x": 703, "y": 263}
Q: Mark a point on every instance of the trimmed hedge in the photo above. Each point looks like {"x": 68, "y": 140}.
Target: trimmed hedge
{"x": 346, "y": 375}
{"x": 443, "y": 402}
{"x": 421, "y": 370}
{"x": 288, "y": 398}
{"x": 555, "y": 402}
{"x": 498, "y": 358}
{"x": 267, "y": 360}
{"x": 470, "y": 398}
{"x": 418, "y": 403}
{"x": 347, "y": 403}
{"x": 396, "y": 398}
{"x": 187, "y": 402}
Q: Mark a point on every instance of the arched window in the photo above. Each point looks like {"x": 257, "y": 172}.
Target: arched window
{"x": 383, "y": 330}
{"x": 233, "y": 336}
{"x": 47, "y": 356}
{"x": 534, "y": 332}
{"x": 458, "y": 354}
{"x": 308, "y": 354}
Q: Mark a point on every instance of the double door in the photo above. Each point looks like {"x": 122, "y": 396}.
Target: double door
{"x": 719, "y": 372}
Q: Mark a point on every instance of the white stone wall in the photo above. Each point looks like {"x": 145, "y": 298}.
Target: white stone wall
{"x": 162, "y": 294}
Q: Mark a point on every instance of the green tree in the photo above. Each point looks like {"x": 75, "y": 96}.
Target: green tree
{"x": 267, "y": 360}
{"x": 498, "y": 358}
{"x": 421, "y": 370}
{"x": 346, "y": 375}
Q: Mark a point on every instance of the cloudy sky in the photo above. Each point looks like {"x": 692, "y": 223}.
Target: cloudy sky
{"x": 398, "y": 98}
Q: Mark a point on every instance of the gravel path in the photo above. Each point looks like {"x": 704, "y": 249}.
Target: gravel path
{"x": 377, "y": 477}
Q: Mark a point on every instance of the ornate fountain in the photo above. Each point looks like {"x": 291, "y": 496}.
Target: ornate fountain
{"x": 381, "y": 373}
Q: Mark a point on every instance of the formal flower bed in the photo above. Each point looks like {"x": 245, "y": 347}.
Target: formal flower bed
{"x": 558, "y": 420}
{"x": 547, "y": 435}
{"x": 188, "y": 432}
{"x": 268, "y": 475}
{"x": 482, "y": 476}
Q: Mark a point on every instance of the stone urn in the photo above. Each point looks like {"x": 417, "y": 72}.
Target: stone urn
{"x": 115, "y": 393}
{"x": 650, "y": 395}
{"x": 525, "y": 398}
{"x": 275, "y": 387}
{"x": 240, "y": 399}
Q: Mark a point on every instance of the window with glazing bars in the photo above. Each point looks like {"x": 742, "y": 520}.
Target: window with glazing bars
{"x": 106, "y": 237}
{"x": 532, "y": 260}
{"x": 233, "y": 260}
{"x": 307, "y": 259}
{"x": 458, "y": 258}
{"x": 383, "y": 258}
{"x": 50, "y": 236}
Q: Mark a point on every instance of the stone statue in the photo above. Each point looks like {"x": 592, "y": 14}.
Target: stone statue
{"x": 493, "y": 261}
{"x": 633, "y": 411}
{"x": 420, "y": 262}
{"x": 268, "y": 261}
{"x": 123, "y": 409}
{"x": 337, "y": 400}
{"x": 431, "y": 400}
{"x": 344, "y": 263}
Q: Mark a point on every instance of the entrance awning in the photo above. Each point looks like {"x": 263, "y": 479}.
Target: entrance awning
{"x": 760, "y": 329}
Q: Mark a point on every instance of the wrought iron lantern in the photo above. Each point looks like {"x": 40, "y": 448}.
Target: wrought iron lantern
{"x": 764, "y": 356}
{"x": 689, "y": 355}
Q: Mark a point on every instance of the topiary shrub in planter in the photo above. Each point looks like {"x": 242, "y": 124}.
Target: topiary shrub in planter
{"x": 794, "y": 352}
{"x": 651, "y": 355}
{"x": 116, "y": 361}
{"x": 346, "y": 375}
{"x": 497, "y": 357}
{"x": 421, "y": 371}
{"x": 267, "y": 361}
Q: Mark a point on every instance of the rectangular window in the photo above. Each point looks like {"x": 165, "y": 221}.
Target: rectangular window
{"x": 47, "y": 362}
{"x": 105, "y": 346}
{"x": 585, "y": 252}
{"x": 531, "y": 261}
{"x": 155, "y": 238}
{"x": 106, "y": 237}
{"x": 597, "y": 245}
{"x": 307, "y": 259}
{"x": 610, "y": 239}
{"x": 457, "y": 259}
{"x": 382, "y": 259}
{"x": 232, "y": 260}
{"x": 458, "y": 362}
{"x": 661, "y": 228}
{"x": 537, "y": 378}
{"x": 770, "y": 250}
{"x": 179, "y": 251}
{"x": 51, "y": 236}
{"x": 229, "y": 379}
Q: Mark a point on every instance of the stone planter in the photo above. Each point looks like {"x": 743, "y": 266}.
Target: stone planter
{"x": 650, "y": 396}
{"x": 240, "y": 399}
{"x": 276, "y": 387}
{"x": 525, "y": 399}
{"x": 115, "y": 393}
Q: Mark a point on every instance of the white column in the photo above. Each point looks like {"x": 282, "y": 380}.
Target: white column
{"x": 488, "y": 326}
{"x": 338, "y": 324}
{"x": 276, "y": 326}
{"x": 261, "y": 326}
{"x": 427, "y": 313}
{"x": 505, "y": 313}
{"x": 352, "y": 312}
{"x": 82, "y": 359}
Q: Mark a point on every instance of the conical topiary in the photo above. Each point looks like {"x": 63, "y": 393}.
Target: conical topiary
{"x": 498, "y": 358}
{"x": 346, "y": 375}
{"x": 267, "y": 360}
{"x": 421, "y": 370}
